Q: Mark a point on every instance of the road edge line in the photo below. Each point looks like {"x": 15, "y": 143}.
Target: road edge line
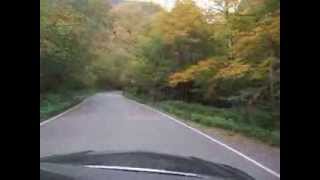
{"x": 210, "y": 138}
{"x": 63, "y": 113}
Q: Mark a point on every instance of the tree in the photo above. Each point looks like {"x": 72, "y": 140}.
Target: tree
{"x": 116, "y": 48}
{"x": 67, "y": 28}
{"x": 186, "y": 32}
{"x": 208, "y": 76}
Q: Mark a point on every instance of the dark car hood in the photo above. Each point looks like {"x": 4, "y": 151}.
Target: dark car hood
{"x": 141, "y": 160}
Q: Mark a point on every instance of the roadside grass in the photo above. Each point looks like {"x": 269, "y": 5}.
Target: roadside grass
{"x": 53, "y": 103}
{"x": 229, "y": 119}
{"x": 258, "y": 125}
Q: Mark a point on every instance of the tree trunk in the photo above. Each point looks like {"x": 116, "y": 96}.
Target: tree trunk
{"x": 230, "y": 45}
{"x": 271, "y": 84}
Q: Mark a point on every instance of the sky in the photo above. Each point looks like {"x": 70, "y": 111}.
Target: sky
{"x": 169, "y": 4}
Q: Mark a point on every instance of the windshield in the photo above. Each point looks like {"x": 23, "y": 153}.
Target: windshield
{"x": 160, "y": 87}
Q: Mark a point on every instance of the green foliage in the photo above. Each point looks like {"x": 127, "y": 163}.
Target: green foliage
{"x": 116, "y": 61}
{"x": 186, "y": 32}
{"x": 65, "y": 41}
{"x": 258, "y": 126}
{"x": 54, "y": 102}
{"x": 229, "y": 54}
{"x": 152, "y": 65}
{"x": 236, "y": 60}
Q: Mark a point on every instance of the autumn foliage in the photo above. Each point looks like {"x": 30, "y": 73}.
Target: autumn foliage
{"x": 229, "y": 52}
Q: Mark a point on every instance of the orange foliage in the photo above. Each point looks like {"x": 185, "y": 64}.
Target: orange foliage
{"x": 223, "y": 71}
{"x": 233, "y": 70}
{"x": 192, "y": 72}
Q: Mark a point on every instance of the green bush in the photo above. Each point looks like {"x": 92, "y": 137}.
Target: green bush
{"x": 196, "y": 117}
{"x": 275, "y": 138}
{"x": 260, "y": 125}
{"x": 59, "y": 100}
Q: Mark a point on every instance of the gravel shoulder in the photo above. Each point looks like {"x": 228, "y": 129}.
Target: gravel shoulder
{"x": 253, "y": 148}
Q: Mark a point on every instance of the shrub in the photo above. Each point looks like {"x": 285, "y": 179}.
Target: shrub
{"x": 259, "y": 125}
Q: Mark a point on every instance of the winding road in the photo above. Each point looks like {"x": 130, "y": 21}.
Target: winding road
{"x": 110, "y": 122}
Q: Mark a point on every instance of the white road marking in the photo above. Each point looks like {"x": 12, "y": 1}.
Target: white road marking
{"x": 160, "y": 171}
{"x": 61, "y": 114}
{"x": 181, "y": 123}
{"x": 212, "y": 139}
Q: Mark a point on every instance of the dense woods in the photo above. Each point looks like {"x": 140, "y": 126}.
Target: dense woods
{"x": 224, "y": 56}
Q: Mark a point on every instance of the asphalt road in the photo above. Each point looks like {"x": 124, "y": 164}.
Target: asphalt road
{"x": 111, "y": 122}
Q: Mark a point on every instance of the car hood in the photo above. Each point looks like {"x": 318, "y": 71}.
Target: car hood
{"x": 143, "y": 160}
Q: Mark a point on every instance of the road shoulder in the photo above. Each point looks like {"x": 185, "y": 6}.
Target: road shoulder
{"x": 259, "y": 151}
{"x": 269, "y": 155}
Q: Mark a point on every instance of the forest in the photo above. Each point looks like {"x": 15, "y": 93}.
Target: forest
{"x": 218, "y": 66}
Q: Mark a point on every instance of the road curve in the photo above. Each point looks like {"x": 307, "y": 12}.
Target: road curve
{"x": 111, "y": 122}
